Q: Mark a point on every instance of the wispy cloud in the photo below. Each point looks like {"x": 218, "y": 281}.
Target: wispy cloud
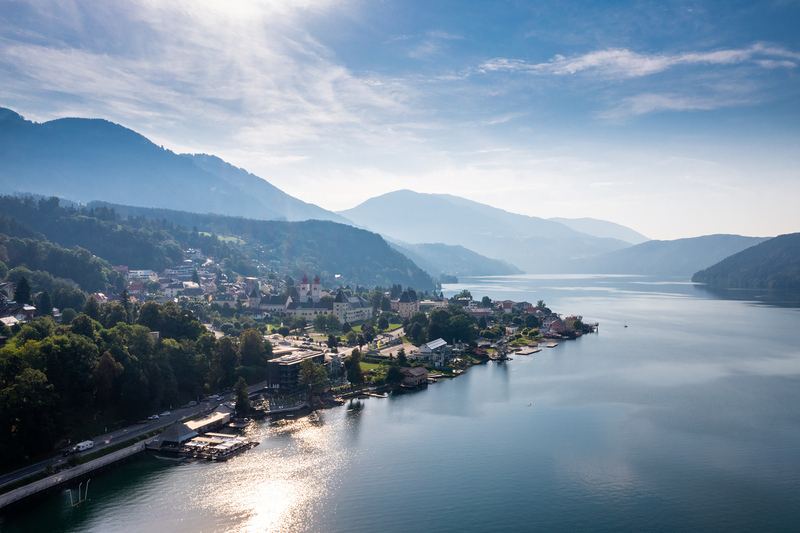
{"x": 623, "y": 63}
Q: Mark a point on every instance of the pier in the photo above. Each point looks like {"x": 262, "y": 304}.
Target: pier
{"x": 71, "y": 474}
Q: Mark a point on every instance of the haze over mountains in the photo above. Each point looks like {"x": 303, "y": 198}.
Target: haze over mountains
{"x": 532, "y": 244}
{"x": 92, "y": 159}
{"x": 95, "y": 160}
{"x": 679, "y": 258}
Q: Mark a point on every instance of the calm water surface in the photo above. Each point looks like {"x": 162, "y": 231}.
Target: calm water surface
{"x": 689, "y": 419}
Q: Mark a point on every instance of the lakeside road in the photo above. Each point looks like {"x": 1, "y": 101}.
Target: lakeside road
{"x": 123, "y": 434}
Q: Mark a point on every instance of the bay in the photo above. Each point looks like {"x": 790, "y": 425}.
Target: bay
{"x": 687, "y": 419}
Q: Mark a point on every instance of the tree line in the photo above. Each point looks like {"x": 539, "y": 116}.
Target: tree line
{"x": 57, "y": 379}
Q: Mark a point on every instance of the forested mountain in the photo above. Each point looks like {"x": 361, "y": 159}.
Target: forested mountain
{"x": 439, "y": 258}
{"x": 602, "y": 229}
{"x": 92, "y": 159}
{"x": 773, "y": 264}
{"x": 532, "y": 244}
{"x": 145, "y": 238}
{"x": 681, "y": 257}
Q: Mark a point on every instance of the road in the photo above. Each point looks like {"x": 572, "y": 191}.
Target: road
{"x": 121, "y": 435}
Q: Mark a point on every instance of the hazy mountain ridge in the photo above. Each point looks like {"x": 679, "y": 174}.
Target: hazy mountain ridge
{"x": 438, "y": 258}
{"x": 94, "y": 159}
{"x": 603, "y": 229}
{"x": 680, "y": 257}
{"x": 531, "y": 244}
{"x": 290, "y": 208}
{"x": 772, "y": 264}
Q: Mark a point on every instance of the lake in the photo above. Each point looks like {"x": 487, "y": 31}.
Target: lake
{"x": 688, "y": 419}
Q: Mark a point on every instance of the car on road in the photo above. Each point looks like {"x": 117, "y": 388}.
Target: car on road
{"x": 153, "y": 417}
{"x": 142, "y": 422}
{"x": 165, "y": 413}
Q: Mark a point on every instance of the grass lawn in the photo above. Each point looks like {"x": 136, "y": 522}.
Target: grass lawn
{"x": 370, "y": 366}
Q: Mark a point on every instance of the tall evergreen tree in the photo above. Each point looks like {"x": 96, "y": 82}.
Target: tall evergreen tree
{"x": 91, "y": 308}
{"x": 44, "y": 306}
{"x": 22, "y": 291}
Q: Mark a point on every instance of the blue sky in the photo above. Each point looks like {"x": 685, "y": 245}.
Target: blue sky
{"x": 677, "y": 119}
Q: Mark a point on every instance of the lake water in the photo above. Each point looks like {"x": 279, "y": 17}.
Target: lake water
{"x": 688, "y": 419}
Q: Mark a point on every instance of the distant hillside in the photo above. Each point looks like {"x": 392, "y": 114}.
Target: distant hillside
{"x": 439, "y": 258}
{"x": 91, "y": 159}
{"x": 602, "y": 229}
{"x": 288, "y": 206}
{"x": 154, "y": 238}
{"x": 532, "y": 244}
{"x": 773, "y": 264}
{"x": 681, "y": 257}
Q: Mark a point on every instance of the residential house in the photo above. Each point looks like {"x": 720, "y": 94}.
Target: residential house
{"x": 437, "y": 352}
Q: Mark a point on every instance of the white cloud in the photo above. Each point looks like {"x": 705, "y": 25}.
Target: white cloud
{"x": 623, "y": 63}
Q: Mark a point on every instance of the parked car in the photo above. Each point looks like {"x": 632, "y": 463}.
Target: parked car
{"x": 192, "y": 403}
{"x": 165, "y": 413}
{"x": 153, "y": 417}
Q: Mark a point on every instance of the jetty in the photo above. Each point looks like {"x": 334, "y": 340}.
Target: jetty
{"x": 528, "y": 351}
{"x": 71, "y": 475}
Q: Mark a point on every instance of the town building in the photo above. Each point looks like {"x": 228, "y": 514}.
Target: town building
{"x": 283, "y": 373}
{"x": 407, "y": 304}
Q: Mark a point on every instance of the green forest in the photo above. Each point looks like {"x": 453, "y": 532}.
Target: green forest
{"x": 773, "y": 264}
{"x": 60, "y": 381}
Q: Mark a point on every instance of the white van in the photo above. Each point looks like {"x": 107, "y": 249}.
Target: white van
{"x": 83, "y": 446}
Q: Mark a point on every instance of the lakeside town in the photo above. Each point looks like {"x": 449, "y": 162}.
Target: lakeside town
{"x": 320, "y": 347}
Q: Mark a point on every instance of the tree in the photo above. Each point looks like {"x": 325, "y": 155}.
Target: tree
{"x": 577, "y": 325}
{"x": 383, "y": 323}
{"x": 224, "y": 363}
{"x": 332, "y": 323}
{"x": 320, "y": 322}
{"x": 368, "y": 331}
{"x": 463, "y": 294}
{"x": 394, "y": 375}
{"x": 531, "y": 321}
{"x": 112, "y": 313}
{"x": 351, "y": 337}
{"x": 195, "y": 277}
{"x": 284, "y": 331}
{"x": 353, "y": 366}
{"x": 251, "y": 349}
{"x": 83, "y": 325}
{"x": 299, "y": 323}
{"x": 333, "y": 341}
{"x": 92, "y": 309}
{"x": 386, "y": 304}
{"x": 312, "y": 375}
{"x": 541, "y": 304}
{"x": 44, "y": 306}
{"x": 482, "y": 323}
{"x": 68, "y": 315}
{"x": 22, "y": 291}
{"x": 104, "y": 374}
{"x": 242, "y": 397}
{"x": 486, "y": 301}
{"x": 125, "y": 300}
{"x": 346, "y": 328}
{"x": 402, "y": 360}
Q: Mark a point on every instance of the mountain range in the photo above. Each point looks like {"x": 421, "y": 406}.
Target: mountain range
{"x": 88, "y": 160}
{"x": 679, "y": 258}
{"x": 532, "y": 244}
{"x": 92, "y": 159}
